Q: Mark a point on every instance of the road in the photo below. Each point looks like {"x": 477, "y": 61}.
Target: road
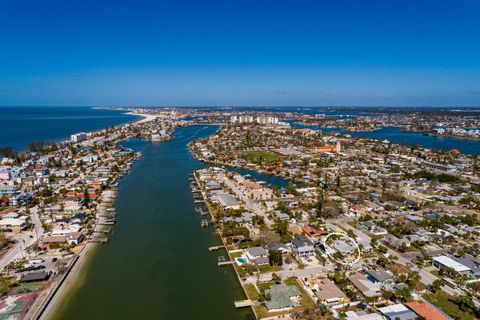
{"x": 249, "y": 203}
{"x": 24, "y": 240}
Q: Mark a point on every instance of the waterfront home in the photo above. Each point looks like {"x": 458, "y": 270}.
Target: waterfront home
{"x": 70, "y": 238}
{"x": 227, "y": 201}
{"x": 282, "y": 297}
{"x": 257, "y": 256}
{"x": 303, "y": 247}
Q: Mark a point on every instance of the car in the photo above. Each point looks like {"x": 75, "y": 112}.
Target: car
{"x": 54, "y": 259}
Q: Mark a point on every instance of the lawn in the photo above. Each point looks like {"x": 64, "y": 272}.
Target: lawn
{"x": 262, "y": 286}
{"x": 305, "y": 301}
{"x": 262, "y": 156}
{"x": 442, "y": 301}
{"x": 252, "y": 292}
{"x": 235, "y": 254}
{"x": 266, "y": 269}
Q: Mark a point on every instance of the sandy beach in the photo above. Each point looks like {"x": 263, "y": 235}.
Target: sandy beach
{"x": 146, "y": 117}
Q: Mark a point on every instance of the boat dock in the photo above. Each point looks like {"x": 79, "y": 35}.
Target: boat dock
{"x": 214, "y": 248}
{"x": 99, "y": 240}
{"x": 243, "y": 303}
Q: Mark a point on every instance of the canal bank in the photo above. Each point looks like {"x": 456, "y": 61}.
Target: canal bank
{"x": 157, "y": 264}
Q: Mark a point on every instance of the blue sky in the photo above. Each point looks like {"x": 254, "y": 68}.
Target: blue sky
{"x": 240, "y": 52}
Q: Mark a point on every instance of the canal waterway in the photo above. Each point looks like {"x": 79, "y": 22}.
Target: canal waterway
{"x": 157, "y": 264}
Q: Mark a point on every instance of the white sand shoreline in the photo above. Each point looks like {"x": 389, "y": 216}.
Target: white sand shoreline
{"x": 146, "y": 117}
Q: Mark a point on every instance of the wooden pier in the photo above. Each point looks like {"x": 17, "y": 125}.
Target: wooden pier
{"x": 107, "y": 222}
{"x": 243, "y": 303}
{"x": 99, "y": 240}
{"x": 225, "y": 263}
{"x": 214, "y": 248}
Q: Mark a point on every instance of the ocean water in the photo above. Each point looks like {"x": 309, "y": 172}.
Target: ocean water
{"x": 21, "y": 125}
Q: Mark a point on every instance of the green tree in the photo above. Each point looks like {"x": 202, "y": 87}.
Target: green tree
{"x": 275, "y": 257}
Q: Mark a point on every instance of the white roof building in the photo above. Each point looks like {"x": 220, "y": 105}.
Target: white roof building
{"x": 444, "y": 261}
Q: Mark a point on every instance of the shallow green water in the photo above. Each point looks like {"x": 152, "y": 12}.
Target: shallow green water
{"x": 156, "y": 265}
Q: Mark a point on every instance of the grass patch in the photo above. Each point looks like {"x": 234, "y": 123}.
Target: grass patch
{"x": 436, "y": 273}
{"x": 235, "y": 254}
{"x": 241, "y": 271}
{"x": 261, "y": 156}
{"x": 266, "y": 269}
{"x": 442, "y": 301}
{"x": 252, "y": 292}
{"x": 262, "y": 286}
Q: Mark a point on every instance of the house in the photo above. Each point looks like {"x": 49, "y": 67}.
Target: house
{"x": 365, "y": 285}
{"x": 398, "y": 312}
{"x": 6, "y": 190}
{"x": 282, "y": 297}
{"x": 470, "y": 263}
{"x": 395, "y": 242}
{"x": 13, "y": 222}
{"x": 303, "y": 247}
{"x": 362, "y": 315}
{"x": 313, "y": 233}
{"x": 425, "y": 310}
{"x": 281, "y": 215}
{"x": 379, "y": 276}
{"x": 328, "y": 293}
{"x": 227, "y": 201}
{"x": 443, "y": 262}
{"x": 343, "y": 246}
{"x": 257, "y": 255}
{"x": 70, "y": 238}
{"x": 279, "y": 247}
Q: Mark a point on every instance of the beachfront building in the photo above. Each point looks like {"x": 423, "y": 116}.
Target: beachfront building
{"x": 78, "y": 137}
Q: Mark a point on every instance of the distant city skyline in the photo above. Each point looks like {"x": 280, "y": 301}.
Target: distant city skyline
{"x": 248, "y": 53}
